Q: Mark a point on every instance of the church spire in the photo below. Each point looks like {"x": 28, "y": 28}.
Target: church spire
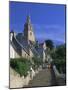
{"x": 28, "y": 19}
{"x": 28, "y": 30}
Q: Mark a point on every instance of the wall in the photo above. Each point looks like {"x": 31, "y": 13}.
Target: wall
{"x": 43, "y": 56}
{"x": 13, "y": 53}
{"x": 31, "y": 36}
{"x": 31, "y": 53}
{"x": 60, "y": 78}
{"x": 17, "y": 82}
{"x": 24, "y": 54}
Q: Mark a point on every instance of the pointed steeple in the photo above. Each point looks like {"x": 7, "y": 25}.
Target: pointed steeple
{"x": 28, "y": 30}
{"x": 28, "y": 19}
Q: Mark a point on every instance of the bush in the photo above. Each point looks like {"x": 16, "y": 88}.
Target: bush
{"x": 22, "y": 65}
{"x": 37, "y": 62}
{"x": 59, "y": 58}
{"x": 60, "y": 64}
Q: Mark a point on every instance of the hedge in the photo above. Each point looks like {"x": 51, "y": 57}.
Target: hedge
{"x": 22, "y": 65}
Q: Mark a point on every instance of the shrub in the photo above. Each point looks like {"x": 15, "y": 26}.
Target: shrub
{"x": 37, "y": 62}
{"x": 22, "y": 65}
{"x": 59, "y": 58}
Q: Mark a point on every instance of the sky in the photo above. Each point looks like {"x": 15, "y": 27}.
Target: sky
{"x": 48, "y": 20}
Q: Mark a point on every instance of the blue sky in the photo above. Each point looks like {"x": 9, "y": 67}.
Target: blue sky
{"x": 48, "y": 20}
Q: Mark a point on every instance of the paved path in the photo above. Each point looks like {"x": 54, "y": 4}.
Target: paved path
{"x": 43, "y": 78}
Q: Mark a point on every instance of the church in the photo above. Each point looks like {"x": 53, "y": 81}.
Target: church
{"x": 25, "y": 45}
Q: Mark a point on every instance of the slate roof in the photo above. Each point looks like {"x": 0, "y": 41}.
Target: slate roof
{"x": 26, "y": 45}
{"x": 20, "y": 43}
{"x": 40, "y": 51}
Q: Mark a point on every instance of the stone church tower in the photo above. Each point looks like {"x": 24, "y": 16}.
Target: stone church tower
{"x": 28, "y": 31}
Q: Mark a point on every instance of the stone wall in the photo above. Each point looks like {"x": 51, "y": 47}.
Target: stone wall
{"x": 17, "y": 82}
{"x": 60, "y": 78}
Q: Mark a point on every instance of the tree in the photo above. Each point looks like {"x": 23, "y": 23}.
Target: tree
{"x": 60, "y": 51}
{"x": 59, "y": 58}
{"x": 49, "y": 44}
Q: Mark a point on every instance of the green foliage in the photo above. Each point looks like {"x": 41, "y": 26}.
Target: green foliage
{"x": 61, "y": 51}
{"x": 49, "y": 44}
{"x": 37, "y": 62}
{"x": 59, "y": 58}
{"x": 22, "y": 65}
{"x": 60, "y": 64}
